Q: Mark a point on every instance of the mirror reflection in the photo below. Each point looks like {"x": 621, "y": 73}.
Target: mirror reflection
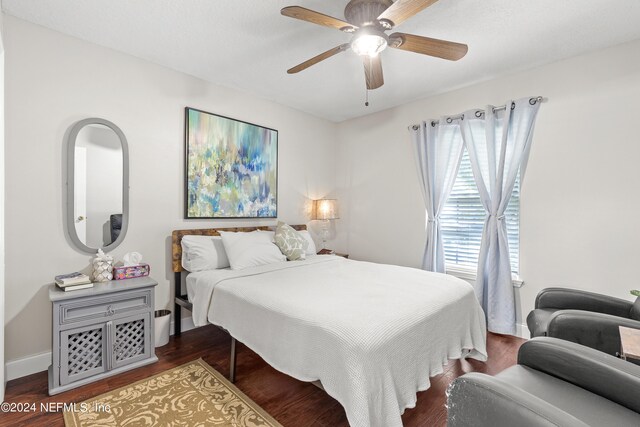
{"x": 98, "y": 185}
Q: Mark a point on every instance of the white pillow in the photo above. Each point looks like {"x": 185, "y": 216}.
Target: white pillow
{"x": 250, "y": 249}
{"x": 311, "y": 249}
{"x": 270, "y": 233}
{"x": 203, "y": 253}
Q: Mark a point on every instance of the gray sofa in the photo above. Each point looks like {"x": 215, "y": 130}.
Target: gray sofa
{"x": 583, "y": 317}
{"x": 555, "y": 383}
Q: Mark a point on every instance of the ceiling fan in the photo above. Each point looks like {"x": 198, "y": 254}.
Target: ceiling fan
{"x": 368, "y": 20}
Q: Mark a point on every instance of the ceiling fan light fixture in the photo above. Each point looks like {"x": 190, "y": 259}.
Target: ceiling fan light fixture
{"x": 369, "y": 42}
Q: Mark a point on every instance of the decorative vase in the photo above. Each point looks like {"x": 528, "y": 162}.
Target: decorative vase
{"x": 102, "y": 270}
{"x": 102, "y": 267}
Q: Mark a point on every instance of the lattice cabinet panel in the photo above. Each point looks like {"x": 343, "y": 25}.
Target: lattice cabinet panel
{"x": 85, "y": 351}
{"x": 131, "y": 340}
{"x": 101, "y": 331}
{"x": 84, "y": 355}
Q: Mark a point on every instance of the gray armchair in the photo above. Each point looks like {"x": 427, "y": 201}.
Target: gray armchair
{"x": 555, "y": 383}
{"x": 583, "y": 317}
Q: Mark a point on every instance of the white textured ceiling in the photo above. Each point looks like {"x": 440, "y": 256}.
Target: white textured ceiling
{"x": 248, "y": 45}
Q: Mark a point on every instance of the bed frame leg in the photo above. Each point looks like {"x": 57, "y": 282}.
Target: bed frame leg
{"x": 232, "y": 361}
{"x": 177, "y": 316}
{"x": 177, "y": 321}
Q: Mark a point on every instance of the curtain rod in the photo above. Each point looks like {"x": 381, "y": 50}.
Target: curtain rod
{"x": 480, "y": 113}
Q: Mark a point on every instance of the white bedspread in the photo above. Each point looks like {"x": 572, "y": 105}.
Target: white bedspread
{"x": 373, "y": 334}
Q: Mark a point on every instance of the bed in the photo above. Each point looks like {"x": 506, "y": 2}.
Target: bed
{"x": 372, "y": 334}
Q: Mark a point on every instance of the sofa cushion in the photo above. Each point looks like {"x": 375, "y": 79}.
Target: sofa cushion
{"x": 588, "y": 407}
{"x": 538, "y": 321}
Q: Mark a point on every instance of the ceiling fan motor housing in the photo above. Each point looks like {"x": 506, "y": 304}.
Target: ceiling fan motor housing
{"x": 364, "y": 13}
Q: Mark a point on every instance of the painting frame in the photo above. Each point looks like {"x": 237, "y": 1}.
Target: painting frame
{"x": 224, "y": 198}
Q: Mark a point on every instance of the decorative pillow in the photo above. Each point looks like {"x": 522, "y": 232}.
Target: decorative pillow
{"x": 311, "y": 248}
{"x": 203, "y": 253}
{"x": 250, "y": 249}
{"x": 290, "y": 242}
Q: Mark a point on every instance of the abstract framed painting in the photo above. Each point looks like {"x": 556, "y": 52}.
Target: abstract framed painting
{"x": 231, "y": 167}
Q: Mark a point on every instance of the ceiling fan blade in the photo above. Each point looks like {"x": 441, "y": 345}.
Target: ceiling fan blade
{"x": 402, "y": 10}
{"x": 324, "y": 55}
{"x": 373, "y": 72}
{"x": 428, "y": 46}
{"x": 318, "y": 18}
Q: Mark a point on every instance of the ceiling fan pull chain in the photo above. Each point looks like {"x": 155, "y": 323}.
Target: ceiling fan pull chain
{"x": 366, "y": 97}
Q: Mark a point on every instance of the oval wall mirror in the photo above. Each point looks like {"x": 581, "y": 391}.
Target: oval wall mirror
{"x": 97, "y": 185}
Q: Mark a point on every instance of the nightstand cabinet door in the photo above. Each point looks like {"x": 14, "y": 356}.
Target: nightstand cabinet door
{"x": 83, "y": 352}
{"x": 131, "y": 340}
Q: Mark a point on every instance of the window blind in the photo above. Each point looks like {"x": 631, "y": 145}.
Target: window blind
{"x": 462, "y": 220}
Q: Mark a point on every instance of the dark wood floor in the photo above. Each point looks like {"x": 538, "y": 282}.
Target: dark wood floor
{"x": 291, "y": 402}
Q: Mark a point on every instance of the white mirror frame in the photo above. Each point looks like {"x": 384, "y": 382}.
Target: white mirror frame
{"x": 71, "y": 144}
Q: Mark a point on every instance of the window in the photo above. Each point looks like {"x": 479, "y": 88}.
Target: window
{"x": 462, "y": 220}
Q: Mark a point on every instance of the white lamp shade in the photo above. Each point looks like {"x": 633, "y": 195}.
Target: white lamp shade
{"x": 325, "y": 209}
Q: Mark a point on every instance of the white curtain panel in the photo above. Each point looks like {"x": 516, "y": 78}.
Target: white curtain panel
{"x": 498, "y": 142}
{"x": 438, "y": 150}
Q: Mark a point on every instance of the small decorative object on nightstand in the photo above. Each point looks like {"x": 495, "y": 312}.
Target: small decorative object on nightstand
{"x": 331, "y": 252}
{"x": 101, "y": 331}
{"x": 102, "y": 267}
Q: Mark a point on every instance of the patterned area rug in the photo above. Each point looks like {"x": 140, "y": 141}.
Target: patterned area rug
{"x": 193, "y": 394}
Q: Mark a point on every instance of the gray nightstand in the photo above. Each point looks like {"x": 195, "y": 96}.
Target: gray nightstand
{"x": 101, "y": 331}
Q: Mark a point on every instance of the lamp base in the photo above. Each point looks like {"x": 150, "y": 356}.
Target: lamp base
{"x": 324, "y": 232}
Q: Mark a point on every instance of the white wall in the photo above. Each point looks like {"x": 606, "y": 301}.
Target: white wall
{"x": 53, "y": 81}
{"x": 580, "y": 197}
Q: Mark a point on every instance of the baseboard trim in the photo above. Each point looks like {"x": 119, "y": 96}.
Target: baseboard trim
{"x": 522, "y": 331}
{"x": 40, "y": 362}
{"x": 28, "y": 365}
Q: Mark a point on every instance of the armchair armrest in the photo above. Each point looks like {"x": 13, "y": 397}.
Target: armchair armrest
{"x": 476, "y": 399}
{"x": 600, "y": 373}
{"x": 595, "y": 330}
{"x": 575, "y": 299}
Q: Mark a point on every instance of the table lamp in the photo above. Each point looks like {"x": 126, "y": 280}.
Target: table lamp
{"x": 325, "y": 210}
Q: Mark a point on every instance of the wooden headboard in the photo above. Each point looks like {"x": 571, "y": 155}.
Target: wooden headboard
{"x": 176, "y": 239}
